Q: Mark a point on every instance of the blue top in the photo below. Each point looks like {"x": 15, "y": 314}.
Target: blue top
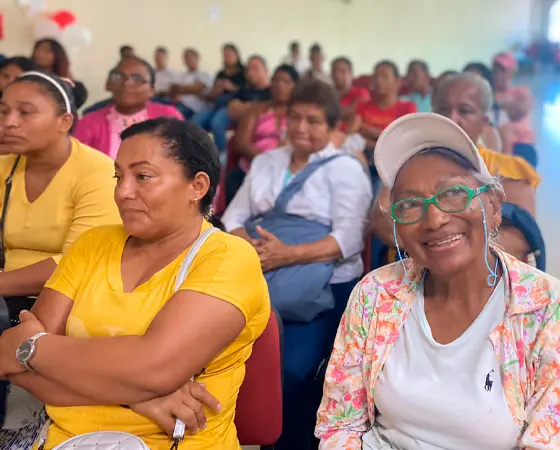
{"x": 423, "y": 104}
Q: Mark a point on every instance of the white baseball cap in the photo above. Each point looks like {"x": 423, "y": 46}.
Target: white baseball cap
{"x": 411, "y": 134}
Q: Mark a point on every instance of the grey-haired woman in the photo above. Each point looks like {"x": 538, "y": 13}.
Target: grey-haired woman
{"x": 456, "y": 346}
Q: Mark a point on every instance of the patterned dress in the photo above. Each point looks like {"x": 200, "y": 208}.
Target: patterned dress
{"x": 526, "y": 345}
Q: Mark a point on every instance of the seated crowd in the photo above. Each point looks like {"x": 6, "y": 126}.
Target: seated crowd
{"x": 146, "y": 243}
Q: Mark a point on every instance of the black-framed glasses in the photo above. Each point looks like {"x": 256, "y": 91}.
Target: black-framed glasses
{"x": 121, "y": 78}
{"x": 453, "y": 199}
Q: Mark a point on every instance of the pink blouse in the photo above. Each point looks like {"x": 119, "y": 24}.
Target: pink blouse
{"x": 118, "y": 123}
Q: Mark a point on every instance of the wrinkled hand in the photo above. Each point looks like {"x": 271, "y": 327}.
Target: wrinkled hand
{"x": 273, "y": 253}
{"x": 187, "y": 404}
{"x": 11, "y": 339}
{"x": 228, "y": 85}
{"x": 174, "y": 90}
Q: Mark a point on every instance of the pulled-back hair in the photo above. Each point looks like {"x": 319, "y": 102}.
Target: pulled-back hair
{"x": 145, "y": 63}
{"x": 189, "y": 145}
{"x": 22, "y": 62}
{"x": 50, "y": 88}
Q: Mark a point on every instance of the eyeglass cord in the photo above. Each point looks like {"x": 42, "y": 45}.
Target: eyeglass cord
{"x": 401, "y": 256}
{"x": 493, "y": 274}
{"x": 493, "y": 277}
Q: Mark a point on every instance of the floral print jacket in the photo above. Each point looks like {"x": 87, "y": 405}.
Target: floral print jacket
{"x": 527, "y": 347}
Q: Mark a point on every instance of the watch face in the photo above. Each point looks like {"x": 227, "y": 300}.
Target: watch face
{"x": 24, "y": 351}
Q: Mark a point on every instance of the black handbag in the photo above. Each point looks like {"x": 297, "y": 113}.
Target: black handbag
{"x": 10, "y": 307}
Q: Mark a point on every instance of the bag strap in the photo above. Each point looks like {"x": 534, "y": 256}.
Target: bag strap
{"x": 189, "y": 258}
{"x": 7, "y": 191}
{"x": 297, "y": 182}
{"x": 179, "y": 430}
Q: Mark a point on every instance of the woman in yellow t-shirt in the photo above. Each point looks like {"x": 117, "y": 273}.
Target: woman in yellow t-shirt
{"x": 60, "y": 188}
{"x": 115, "y": 288}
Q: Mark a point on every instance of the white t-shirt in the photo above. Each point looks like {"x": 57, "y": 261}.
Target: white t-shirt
{"x": 444, "y": 397}
{"x": 301, "y": 65}
{"x": 192, "y": 101}
{"x": 164, "y": 79}
{"x": 337, "y": 194}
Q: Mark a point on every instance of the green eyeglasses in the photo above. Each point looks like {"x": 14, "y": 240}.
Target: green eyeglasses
{"x": 453, "y": 199}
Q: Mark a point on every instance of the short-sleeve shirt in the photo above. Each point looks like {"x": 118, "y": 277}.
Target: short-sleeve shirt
{"x": 238, "y": 78}
{"x": 225, "y": 267}
{"x": 193, "y": 101}
{"x": 78, "y": 198}
{"x": 164, "y": 79}
{"x": 251, "y": 94}
{"x": 356, "y": 95}
{"x": 374, "y": 116}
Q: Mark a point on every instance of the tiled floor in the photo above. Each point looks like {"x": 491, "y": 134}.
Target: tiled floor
{"x": 547, "y": 122}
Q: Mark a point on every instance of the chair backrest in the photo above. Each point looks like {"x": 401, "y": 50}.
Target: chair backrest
{"x": 527, "y": 152}
{"x": 363, "y": 81}
{"x": 258, "y": 415}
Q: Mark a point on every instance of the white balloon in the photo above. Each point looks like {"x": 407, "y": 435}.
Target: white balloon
{"x": 46, "y": 28}
{"x": 33, "y": 7}
{"x": 76, "y": 36}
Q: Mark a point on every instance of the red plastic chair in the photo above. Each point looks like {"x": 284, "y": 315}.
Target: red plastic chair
{"x": 258, "y": 415}
{"x": 363, "y": 81}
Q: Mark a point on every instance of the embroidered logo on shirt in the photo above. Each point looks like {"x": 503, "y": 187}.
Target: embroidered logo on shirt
{"x": 488, "y": 383}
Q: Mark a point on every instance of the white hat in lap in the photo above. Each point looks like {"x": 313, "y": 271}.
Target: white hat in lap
{"x": 413, "y": 133}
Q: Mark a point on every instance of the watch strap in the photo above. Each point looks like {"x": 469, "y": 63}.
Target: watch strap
{"x": 32, "y": 340}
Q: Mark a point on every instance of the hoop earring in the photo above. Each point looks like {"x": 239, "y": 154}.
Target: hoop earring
{"x": 494, "y": 232}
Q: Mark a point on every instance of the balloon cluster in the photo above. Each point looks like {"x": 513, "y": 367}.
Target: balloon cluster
{"x": 60, "y": 25}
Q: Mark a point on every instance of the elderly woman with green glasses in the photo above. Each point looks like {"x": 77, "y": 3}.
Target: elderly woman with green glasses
{"x": 456, "y": 346}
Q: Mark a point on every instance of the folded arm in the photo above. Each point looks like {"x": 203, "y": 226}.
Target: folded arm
{"x": 217, "y": 90}
{"x": 133, "y": 369}
{"x": 28, "y": 280}
{"x": 195, "y": 88}
{"x": 244, "y": 135}
{"x": 52, "y": 310}
{"x": 238, "y": 108}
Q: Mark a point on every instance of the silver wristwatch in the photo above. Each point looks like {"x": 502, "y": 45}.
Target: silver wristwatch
{"x": 27, "y": 350}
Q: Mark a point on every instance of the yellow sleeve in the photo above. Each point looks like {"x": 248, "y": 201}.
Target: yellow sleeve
{"x": 509, "y": 166}
{"x": 73, "y": 266}
{"x": 228, "y": 268}
{"x": 94, "y": 203}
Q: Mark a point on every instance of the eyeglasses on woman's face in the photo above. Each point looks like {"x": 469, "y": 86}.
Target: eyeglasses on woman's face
{"x": 121, "y": 78}
{"x": 451, "y": 200}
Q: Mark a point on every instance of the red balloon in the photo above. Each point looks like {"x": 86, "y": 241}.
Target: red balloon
{"x": 63, "y": 18}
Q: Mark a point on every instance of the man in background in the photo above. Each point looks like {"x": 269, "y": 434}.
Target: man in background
{"x": 190, "y": 86}
{"x": 294, "y": 58}
{"x": 126, "y": 51}
{"x": 257, "y": 88}
{"x": 165, "y": 77}
{"x": 317, "y": 59}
